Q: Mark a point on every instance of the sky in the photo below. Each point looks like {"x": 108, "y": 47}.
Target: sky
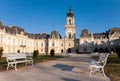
{"x": 44, "y": 16}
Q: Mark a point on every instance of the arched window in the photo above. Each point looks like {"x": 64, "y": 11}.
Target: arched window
{"x": 69, "y": 36}
{"x": 62, "y": 44}
{"x": 70, "y": 22}
{"x": 69, "y": 44}
{"x": 96, "y": 43}
{"x": 61, "y": 50}
{"x": 53, "y": 36}
{"x": 85, "y": 43}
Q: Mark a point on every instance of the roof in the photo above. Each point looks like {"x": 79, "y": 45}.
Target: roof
{"x": 70, "y": 13}
{"x": 55, "y": 34}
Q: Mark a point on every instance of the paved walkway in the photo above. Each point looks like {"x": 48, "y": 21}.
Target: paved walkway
{"x": 73, "y": 68}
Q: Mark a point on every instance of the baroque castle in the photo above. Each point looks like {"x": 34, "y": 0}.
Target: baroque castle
{"x": 14, "y": 39}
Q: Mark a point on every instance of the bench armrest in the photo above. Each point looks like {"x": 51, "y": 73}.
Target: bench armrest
{"x": 29, "y": 58}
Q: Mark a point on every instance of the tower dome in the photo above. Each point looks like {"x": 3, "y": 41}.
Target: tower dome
{"x": 70, "y": 13}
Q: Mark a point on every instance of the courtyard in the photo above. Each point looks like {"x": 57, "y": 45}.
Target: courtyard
{"x": 71, "y": 68}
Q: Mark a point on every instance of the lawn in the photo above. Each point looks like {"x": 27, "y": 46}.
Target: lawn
{"x": 112, "y": 68}
{"x": 41, "y": 58}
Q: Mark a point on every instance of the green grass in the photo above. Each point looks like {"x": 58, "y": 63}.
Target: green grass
{"x": 112, "y": 67}
{"x": 41, "y": 58}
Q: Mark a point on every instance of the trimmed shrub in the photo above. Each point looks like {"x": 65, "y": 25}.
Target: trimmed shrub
{"x": 35, "y": 53}
{"x": 77, "y": 51}
{"x": 18, "y": 51}
{"x": 1, "y": 52}
{"x": 118, "y": 51}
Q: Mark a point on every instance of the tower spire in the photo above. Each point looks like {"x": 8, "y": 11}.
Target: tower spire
{"x": 70, "y": 9}
{"x": 70, "y": 13}
{"x": 70, "y": 25}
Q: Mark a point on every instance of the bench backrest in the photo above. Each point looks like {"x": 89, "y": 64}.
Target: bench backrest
{"x": 103, "y": 58}
{"x": 15, "y": 56}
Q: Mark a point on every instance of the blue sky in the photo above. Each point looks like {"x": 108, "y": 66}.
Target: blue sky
{"x": 37, "y": 16}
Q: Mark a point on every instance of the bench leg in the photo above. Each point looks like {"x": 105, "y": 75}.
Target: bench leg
{"x": 32, "y": 63}
{"x": 25, "y": 63}
{"x": 103, "y": 72}
{"x": 29, "y": 62}
{"x": 90, "y": 71}
{"x": 12, "y": 65}
{"x": 15, "y": 67}
{"x": 8, "y": 66}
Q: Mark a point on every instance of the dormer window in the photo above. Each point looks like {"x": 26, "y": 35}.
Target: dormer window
{"x": 53, "y": 36}
{"x": 22, "y": 33}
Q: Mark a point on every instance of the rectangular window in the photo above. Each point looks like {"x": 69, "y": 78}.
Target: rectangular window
{"x": 1, "y": 39}
{"x": 53, "y": 44}
{"x": 36, "y": 44}
{"x": 41, "y": 44}
{"x": 13, "y": 41}
{"x": 84, "y": 49}
{"x": 41, "y": 50}
{"x": 61, "y": 44}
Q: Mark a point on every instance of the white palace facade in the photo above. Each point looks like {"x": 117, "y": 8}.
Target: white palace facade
{"x": 14, "y": 39}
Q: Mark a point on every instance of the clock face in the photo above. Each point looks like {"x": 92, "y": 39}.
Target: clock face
{"x": 69, "y": 31}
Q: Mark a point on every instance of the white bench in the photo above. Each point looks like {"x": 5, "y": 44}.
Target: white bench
{"x": 14, "y": 59}
{"x": 95, "y": 66}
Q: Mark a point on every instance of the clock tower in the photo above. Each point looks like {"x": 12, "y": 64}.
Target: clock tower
{"x": 70, "y": 28}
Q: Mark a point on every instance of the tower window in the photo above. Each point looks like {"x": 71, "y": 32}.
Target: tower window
{"x": 61, "y": 44}
{"x": 70, "y": 21}
{"x": 69, "y": 44}
{"x": 70, "y": 36}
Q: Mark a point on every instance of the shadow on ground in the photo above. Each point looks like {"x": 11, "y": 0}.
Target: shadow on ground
{"x": 67, "y": 79}
{"x": 64, "y": 67}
